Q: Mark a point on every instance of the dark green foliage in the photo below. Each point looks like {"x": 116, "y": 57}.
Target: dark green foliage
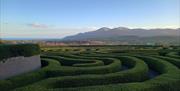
{"x": 29, "y": 78}
{"x": 84, "y": 68}
{"x": 14, "y": 50}
{"x": 163, "y": 53}
{"x": 171, "y": 60}
{"x": 173, "y": 55}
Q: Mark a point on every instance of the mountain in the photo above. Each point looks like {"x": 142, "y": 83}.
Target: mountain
{"x": 120, "y": 33}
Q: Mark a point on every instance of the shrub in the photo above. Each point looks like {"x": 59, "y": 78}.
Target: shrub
{"x": 101, "y": 71}
{"x": 14, "y": 50}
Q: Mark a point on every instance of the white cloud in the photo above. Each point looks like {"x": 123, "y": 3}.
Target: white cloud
{"x": 37, "y": 25}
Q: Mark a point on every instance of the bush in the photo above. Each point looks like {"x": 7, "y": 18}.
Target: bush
{"x": 14, "y": 50}
{"x": 101, "y": 71}
{"x": 137, "y": 73}
{"x": 29, "y": 78}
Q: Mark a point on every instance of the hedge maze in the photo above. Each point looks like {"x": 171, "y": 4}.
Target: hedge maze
{"x": 102, "y": 68}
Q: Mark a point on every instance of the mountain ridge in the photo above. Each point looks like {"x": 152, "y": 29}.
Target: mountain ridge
{"x": 106, "y": 32}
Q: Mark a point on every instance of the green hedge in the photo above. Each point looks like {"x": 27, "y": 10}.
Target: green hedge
{"x": 14, "y": 50}
{"x": 137, "y": 73}
{"x": 93, "y": 64}
{"x": 114, "y": 66}
{"x": 29, "y": 78}
{"x": 169, "y": 80}
{"x": 173, "y": 55}
{"x": 174, "y": 61}
{"x": 90, "y": 71}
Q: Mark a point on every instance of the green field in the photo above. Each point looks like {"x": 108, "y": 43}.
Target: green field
{"x": 102, "y": 68}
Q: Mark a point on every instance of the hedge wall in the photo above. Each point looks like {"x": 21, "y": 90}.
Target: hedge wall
{"x": 14, "y": 50}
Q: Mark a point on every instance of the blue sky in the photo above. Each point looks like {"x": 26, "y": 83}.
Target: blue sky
{"x": 59, "y": 18}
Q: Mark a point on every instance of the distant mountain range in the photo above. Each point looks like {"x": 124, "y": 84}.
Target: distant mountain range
{"x": 132, "y": 36}
{"x": 122, "y": 31}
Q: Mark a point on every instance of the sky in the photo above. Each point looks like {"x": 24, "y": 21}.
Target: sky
{"x": 60, "y": 18}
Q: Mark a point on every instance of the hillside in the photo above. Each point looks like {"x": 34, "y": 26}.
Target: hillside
{"x": 121, "y": 32}
{"x": 130, "y": 36}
